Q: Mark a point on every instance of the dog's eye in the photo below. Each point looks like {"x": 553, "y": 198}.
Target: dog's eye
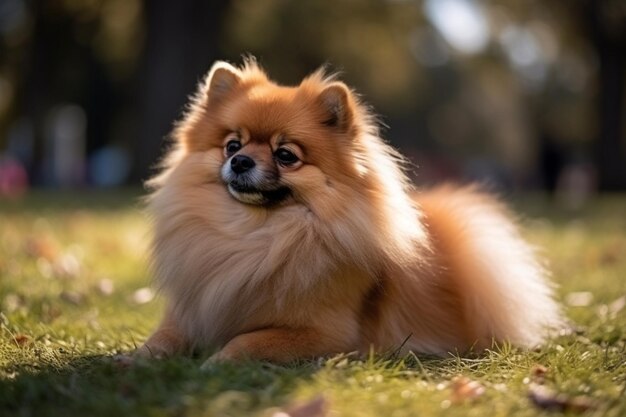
{"x": 232, "y": 146}
{"x": 285, "y": 156}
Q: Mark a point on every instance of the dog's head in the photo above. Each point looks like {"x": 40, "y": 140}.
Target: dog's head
{"x": 273, "y": 144}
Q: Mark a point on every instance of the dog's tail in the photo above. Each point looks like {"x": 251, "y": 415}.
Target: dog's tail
{"x": 503, "y": 285}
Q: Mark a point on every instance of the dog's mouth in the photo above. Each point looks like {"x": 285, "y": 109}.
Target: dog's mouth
{"x": 255, "y": 196}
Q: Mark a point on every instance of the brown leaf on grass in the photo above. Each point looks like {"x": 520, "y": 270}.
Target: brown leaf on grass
{"x": 41, "y": 247}
{"x": 547, "y": 399}
{"x": 465, "y": 389}
{"x": 22, "y": 340}
{"x": 538, "y": 374}
{"x": 317, "y": 407}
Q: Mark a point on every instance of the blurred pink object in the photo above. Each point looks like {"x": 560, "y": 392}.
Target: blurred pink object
{"x": 13, "y": 178}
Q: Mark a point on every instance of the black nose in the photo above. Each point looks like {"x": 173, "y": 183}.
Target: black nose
{"x": 241, "y": 163}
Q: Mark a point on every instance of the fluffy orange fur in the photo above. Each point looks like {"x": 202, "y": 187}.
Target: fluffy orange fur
{"x": 340, "y": 255}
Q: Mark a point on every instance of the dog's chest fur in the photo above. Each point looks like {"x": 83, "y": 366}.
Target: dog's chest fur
{"x": 227, "y": 269}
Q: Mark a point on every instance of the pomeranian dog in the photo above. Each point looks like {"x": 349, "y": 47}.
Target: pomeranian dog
{"x": 285, "y": 228}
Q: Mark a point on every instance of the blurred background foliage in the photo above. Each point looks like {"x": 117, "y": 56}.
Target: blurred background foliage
{"x": 523, "y": 94}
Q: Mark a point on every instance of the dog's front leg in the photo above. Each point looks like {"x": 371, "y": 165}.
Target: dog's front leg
{"x": 280, "y": 345}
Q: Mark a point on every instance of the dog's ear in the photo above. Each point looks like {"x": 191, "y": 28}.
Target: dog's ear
{"x": 222, "y": 80}
{"x": 336, "y": 102}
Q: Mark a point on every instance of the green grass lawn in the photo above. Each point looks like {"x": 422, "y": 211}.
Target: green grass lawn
{"x": 74, "y": 292}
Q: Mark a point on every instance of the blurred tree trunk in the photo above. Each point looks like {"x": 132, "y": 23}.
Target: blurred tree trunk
{"x": 607, "y": 26}
{"x": 36, "y": 88}
{"x": 182, "y": 40}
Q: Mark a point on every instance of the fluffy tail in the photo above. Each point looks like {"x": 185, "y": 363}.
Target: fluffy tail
{"x": 504, "y": 288}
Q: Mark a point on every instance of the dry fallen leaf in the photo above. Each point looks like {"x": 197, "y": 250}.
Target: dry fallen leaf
{"x": 22, "y": 340}
{"x": 317, "y": 407}
{"x": 538, "y": 374}
{"x": 465, "y": 389}
{"x": 41, "y": 247}
{"x": 547, "y": 399}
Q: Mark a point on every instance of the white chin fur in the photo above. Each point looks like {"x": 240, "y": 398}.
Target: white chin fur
{"x": 247, "y": 198}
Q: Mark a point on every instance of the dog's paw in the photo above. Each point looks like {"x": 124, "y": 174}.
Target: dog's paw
{"x": 150, "y": 352}
{"x": 215, "y": 359}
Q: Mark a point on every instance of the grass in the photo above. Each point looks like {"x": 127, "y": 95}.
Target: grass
{"x": 72, "y": 295}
